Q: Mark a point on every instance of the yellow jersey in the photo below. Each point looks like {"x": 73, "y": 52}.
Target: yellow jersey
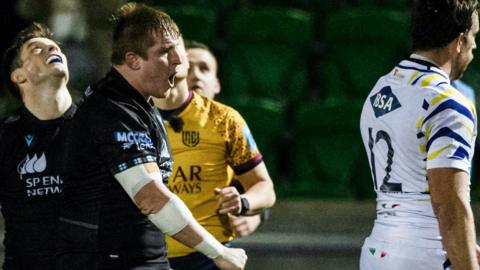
{"x": 214, "y": 140}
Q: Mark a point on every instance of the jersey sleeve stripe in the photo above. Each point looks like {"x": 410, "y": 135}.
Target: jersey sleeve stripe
{"x": 252, "y": 163}
{"x": 453, "y": 105}
{"x": 132, "y": 163}
{"x": 423, "y": 148}
{"x": 447, "y": 132}
{"x": 437, "y": 152}
{"x": 442, "y": 95}
{"x": 420, "y": 122}
{"x": 460, "y": 154}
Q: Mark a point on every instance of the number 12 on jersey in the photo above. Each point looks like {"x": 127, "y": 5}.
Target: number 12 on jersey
{"x": 385, "y": 185}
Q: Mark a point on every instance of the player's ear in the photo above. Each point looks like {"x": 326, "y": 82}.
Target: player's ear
{"x": 217, "y": 86}
{"x": 459, "y": 42}
{"x": 18, "y": 76}
{"x": 133, "y": 60}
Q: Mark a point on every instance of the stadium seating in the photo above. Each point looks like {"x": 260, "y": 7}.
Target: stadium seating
{"x": 362, "y": 44}
{"x": 267, "y": 53}
{"x": 329, "y": 160}
{"x": 265, "y": 119}
{"x": 196, "y": 23}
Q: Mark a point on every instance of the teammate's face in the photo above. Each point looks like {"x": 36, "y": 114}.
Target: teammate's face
{"x": 202, "y": 74}
{"x": 42, "y": 60}
{"x": 466, "y": 53}
{"x": 158, "y": 69}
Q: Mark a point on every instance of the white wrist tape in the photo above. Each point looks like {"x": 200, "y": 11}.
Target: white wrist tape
{"x": 134, "y": 178}
{"x": 173, "y": 217}
{"x": 210, "y": 246}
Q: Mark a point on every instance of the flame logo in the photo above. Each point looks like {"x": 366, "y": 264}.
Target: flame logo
{"x": 32, "y": 165}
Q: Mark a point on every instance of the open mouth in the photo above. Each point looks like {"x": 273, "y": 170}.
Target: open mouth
{"x": 171, "y": 79}
{"x": 55, "y": 58}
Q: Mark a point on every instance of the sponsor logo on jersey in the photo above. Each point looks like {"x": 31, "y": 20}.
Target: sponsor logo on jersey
{"x": 37, "y": 184}
{"x": 29, "y": 139}
{"x": 130, "y": 138}
{"x": 190, "y": 138}
{"x": 32, "y": 164}
{"x": 186, "y": 180}
{"x": 384, "y": 102}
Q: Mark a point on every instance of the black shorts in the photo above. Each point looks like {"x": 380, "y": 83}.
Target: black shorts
{"x": 94, "y": 261}
{"x": 193, "y": 261}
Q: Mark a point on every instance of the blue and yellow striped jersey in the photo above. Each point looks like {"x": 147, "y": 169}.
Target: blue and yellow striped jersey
{"x": 414, "y": 120}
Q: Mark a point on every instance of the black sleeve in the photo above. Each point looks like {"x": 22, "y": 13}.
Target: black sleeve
{"x": 122, "y": 139}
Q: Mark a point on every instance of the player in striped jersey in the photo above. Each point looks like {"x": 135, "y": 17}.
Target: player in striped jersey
{"x": 419, "y": 134}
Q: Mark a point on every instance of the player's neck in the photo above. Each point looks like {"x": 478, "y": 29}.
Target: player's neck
{"x": 177, "y": 97}
{"x": 48, "y": 103}
{"x": 438, "y": 57}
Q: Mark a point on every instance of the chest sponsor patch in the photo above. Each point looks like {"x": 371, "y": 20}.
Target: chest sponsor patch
{"x": 139, "y": 139}
{"x": 384, "y": 102}
{"x": 32, "y": 172}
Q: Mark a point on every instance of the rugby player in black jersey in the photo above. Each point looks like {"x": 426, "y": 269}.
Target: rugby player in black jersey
{"x": 116, "y": 204}
{"x": 35, "y": 70}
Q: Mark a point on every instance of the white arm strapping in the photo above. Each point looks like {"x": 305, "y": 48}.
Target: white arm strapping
{"x": 173, "y": 216}
{"x": 210, "y": 247}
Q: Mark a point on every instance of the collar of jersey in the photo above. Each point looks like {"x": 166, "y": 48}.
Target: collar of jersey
{"x": 26, "y": 114}
{"x": 179, "y": 110}
{"x": 123, "y": 88}
{"x": 423, "y": 66}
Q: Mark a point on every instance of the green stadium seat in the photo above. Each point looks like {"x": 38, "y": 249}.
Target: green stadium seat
{"x": 265, "y": 118}
{"x": 362, "y": 45}
{"x": 329, "y": 159}
{"x": 267, "y": 53}
{"x": 196, "y": 23}
{"x": 397, "y": 4}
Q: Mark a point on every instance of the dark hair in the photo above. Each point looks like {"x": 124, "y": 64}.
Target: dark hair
{"x": 11, "y": 58}
{"x": 435, "y": 23}
{"x": 133, "y": 27}
{"x": 193, "y": 44}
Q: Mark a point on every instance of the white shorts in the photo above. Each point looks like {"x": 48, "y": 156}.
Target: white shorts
{"x": 380, "y": 255}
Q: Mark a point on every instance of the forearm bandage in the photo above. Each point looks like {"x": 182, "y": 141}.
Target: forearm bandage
{"x": 210, "y": 247}
{"x": 173, "y": 216}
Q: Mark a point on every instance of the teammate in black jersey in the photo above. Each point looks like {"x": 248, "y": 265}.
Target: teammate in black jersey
{"x": 31, "y": 173}
{"x": 116, "y": 204}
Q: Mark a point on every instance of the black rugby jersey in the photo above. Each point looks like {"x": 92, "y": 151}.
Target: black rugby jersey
{"x": 115, "y": 128}
{"x": 31, "y": 176}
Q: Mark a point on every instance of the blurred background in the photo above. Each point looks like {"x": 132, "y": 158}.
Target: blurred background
{"x": 298, "y": 71}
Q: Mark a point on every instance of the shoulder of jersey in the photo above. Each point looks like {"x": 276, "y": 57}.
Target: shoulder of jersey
{"x": 11, "y": 119}
{"x": 218, "y": 108}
